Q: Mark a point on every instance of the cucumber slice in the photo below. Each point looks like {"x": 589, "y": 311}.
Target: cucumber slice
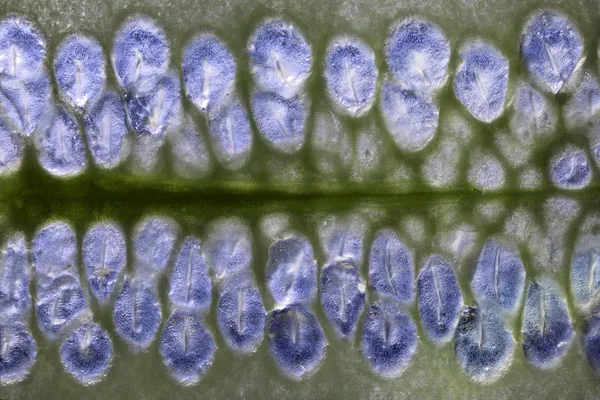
{"x": 306, "y": 124}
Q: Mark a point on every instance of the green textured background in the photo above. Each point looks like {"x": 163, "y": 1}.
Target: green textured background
{"x": 31, "y": 198}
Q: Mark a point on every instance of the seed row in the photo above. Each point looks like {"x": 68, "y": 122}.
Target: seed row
{"x": 92, "y": 123}
{"x": 223, "y": 259}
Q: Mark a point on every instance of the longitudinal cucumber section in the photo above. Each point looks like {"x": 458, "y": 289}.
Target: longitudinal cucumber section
{"x": 452, "y": 230}
{"x": 417, "y": 106}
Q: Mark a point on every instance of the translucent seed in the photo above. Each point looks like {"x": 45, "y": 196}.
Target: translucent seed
{"x": 415, "y": 230}
{"x": 280, "y": 57}
{"x": 296, "y": 341}
{"x": 570, "y": 169}
{"x": 189, "y": 154}
{"x": 559, "y": 214}
{"x": 153, "y": 243}
{"x": 87, "y": 353}
{"x": 486, "y": 172}
{"x": 23, "y": 102}
{"x": 231, "y": 135}
{"x": 15, "y": 300}
{"x": 137, "y": 314}
{"x": 533, "y": 117}
{"x": 391, "y": 267}
{"x": 104, "y": 256}
{"x": 18, "y": 352}
{"x": 585, "y": 276}
{"x": 368, "y": 153}
{"x": 241, "y": 314}
{"x": 515, "y": 151}
{"x": 140, "y": 52}
{"x": 60, "y": 145}
{"x": 440, "y": 167}
{"x": 583, "y": 109}
{"x": 291, "y": 270}
{"x": 411, "y": 119}
{"x": 190, "y": 285}
{"x": 186, "y": 347}
{"x": 417, "y": 54}
{"x": 389, "y": 339}
{"x": 483, "y": 345}
{"x": 439, "y": 299}
{"x": 551, "y": 49}
{"x": 276, "y": 226}
{"x": 490, "y": 210}
{"x": 481, "y": 80}
{"x": 342, "y": 238}
{"x": 351, "y": 75}
{"x": 342, "y": 296}
{"x": 530, "y": 178}
{"x": 499, "y": 276}
{"x": 11, "y": 150}
{"x": 208, "y": 71}
{"x": 106, "y": 131}
{"x": 155, "y": 107}
{"x": 146, "y": 154}
{"x": 457, "y": 240}
{"x": 547, "y": 329}
{"x": 331, "y": 145}
{"x": 22, "y": 48}
{"x": 79, "y": 68}
{"x": 228, "y": 247}
{"x": 281, "y": 121}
